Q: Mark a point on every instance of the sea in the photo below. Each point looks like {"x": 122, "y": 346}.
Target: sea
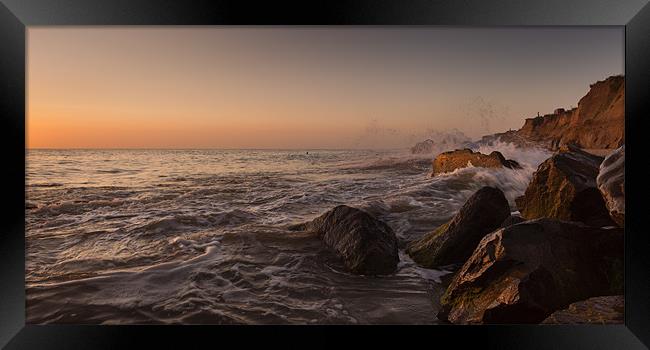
{"x": 200, "y": 236}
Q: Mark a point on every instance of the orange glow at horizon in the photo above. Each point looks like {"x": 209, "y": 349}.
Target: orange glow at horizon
{"x": 58, "y": 133}
{"x": 295, "y": 88}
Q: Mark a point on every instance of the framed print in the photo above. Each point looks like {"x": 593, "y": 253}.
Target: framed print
{"x": 178, "y": 172}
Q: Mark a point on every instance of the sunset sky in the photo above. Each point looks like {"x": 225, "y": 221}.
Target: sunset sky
{"x": 306, "y": 87}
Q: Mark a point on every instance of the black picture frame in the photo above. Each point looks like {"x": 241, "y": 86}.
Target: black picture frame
{"x": 16, "y": 15}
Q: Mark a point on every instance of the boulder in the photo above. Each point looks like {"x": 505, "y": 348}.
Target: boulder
{"x": 512, "y": 220}
{"x": 564, "y": 188}
{"x": 598, "y": 310}
{"x": 367, "y": 245}
{"x": 611, "y": 183}
{"x": 525, "y": 272}
{"x": 455, "y": 241}
{"x": 462, "y": 158}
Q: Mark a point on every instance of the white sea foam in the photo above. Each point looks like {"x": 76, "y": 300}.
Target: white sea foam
{"x": 199, "y": 236}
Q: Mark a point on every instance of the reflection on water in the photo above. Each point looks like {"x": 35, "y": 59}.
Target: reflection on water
{"x": 199, "y": 236}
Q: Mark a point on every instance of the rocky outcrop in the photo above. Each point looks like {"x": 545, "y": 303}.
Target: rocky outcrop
{"x": 598, "y": 310}
{"x": 564, "y": 188}
{"x": 455, "y": 241}
{"x": 611, "y": 183}
{"x": 598, "y": 122}
{"x": 525, "y": 272}
{"x": 367, "y": 245}
{"x": 462, "y": 158}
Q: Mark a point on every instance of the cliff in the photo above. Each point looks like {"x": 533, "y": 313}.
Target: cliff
{"x": 598, "y": 122}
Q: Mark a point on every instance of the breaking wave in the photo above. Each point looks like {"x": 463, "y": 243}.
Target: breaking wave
{"x": 200, "y": 236}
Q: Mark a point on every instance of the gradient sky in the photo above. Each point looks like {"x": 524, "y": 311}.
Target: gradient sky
{"x": 277, "y": 87}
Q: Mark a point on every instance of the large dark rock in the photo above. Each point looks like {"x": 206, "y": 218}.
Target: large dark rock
{"x": 455, "y": 241}
{"x": 564, "y": 188}
{"x": 598, "y": 310}
{"x": 511, "y": 220}
{"x": 462, "y": 158}
{"x": 367, "y": 245}
{"x": 525, "y": 272}
{"x": 611, "y": 183}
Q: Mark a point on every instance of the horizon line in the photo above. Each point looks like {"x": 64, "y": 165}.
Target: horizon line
{"x": 204, "y": 148}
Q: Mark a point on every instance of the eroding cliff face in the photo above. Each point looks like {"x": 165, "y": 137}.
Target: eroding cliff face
{"x": 598, "y": 122}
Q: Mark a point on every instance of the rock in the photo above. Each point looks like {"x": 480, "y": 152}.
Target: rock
{"x": 367, "y": 245}
{"x": 598, "y": 310}
{"x": 525, "y": 272}
{"x": 512, "y": 220}
{"x": 598, "y": 122}
{"x": 510, "y": 136}
{"x": 611, "y": 183}
{"x": 564, "y": 188}
{"x": 452, "y": 160}
{"x": 424, "y": 147}
{"x": 442, "y": 141}
{"x": 454, "y": 241}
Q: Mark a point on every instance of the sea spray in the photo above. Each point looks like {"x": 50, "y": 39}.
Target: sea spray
{"x": 512, "y": 182}
{"x": 530, "y": 156}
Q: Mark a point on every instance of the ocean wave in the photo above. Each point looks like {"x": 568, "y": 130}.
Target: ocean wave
{"x": 185, "y": 222}
{"x": 408, "y": 163}
{"x": 529, "y": 156}
{"x": 275, "y": 281}
{"x": 232, "y": 217}
{"x": 75, "y": 207}
{"x": 513, "y": 182}
{"x": 465, "y": 181}
{"x": 211, "y": 246}
{"x": 46, "y": 184}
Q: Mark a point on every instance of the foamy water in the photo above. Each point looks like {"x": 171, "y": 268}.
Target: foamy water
{"x": 199, "y": 236}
